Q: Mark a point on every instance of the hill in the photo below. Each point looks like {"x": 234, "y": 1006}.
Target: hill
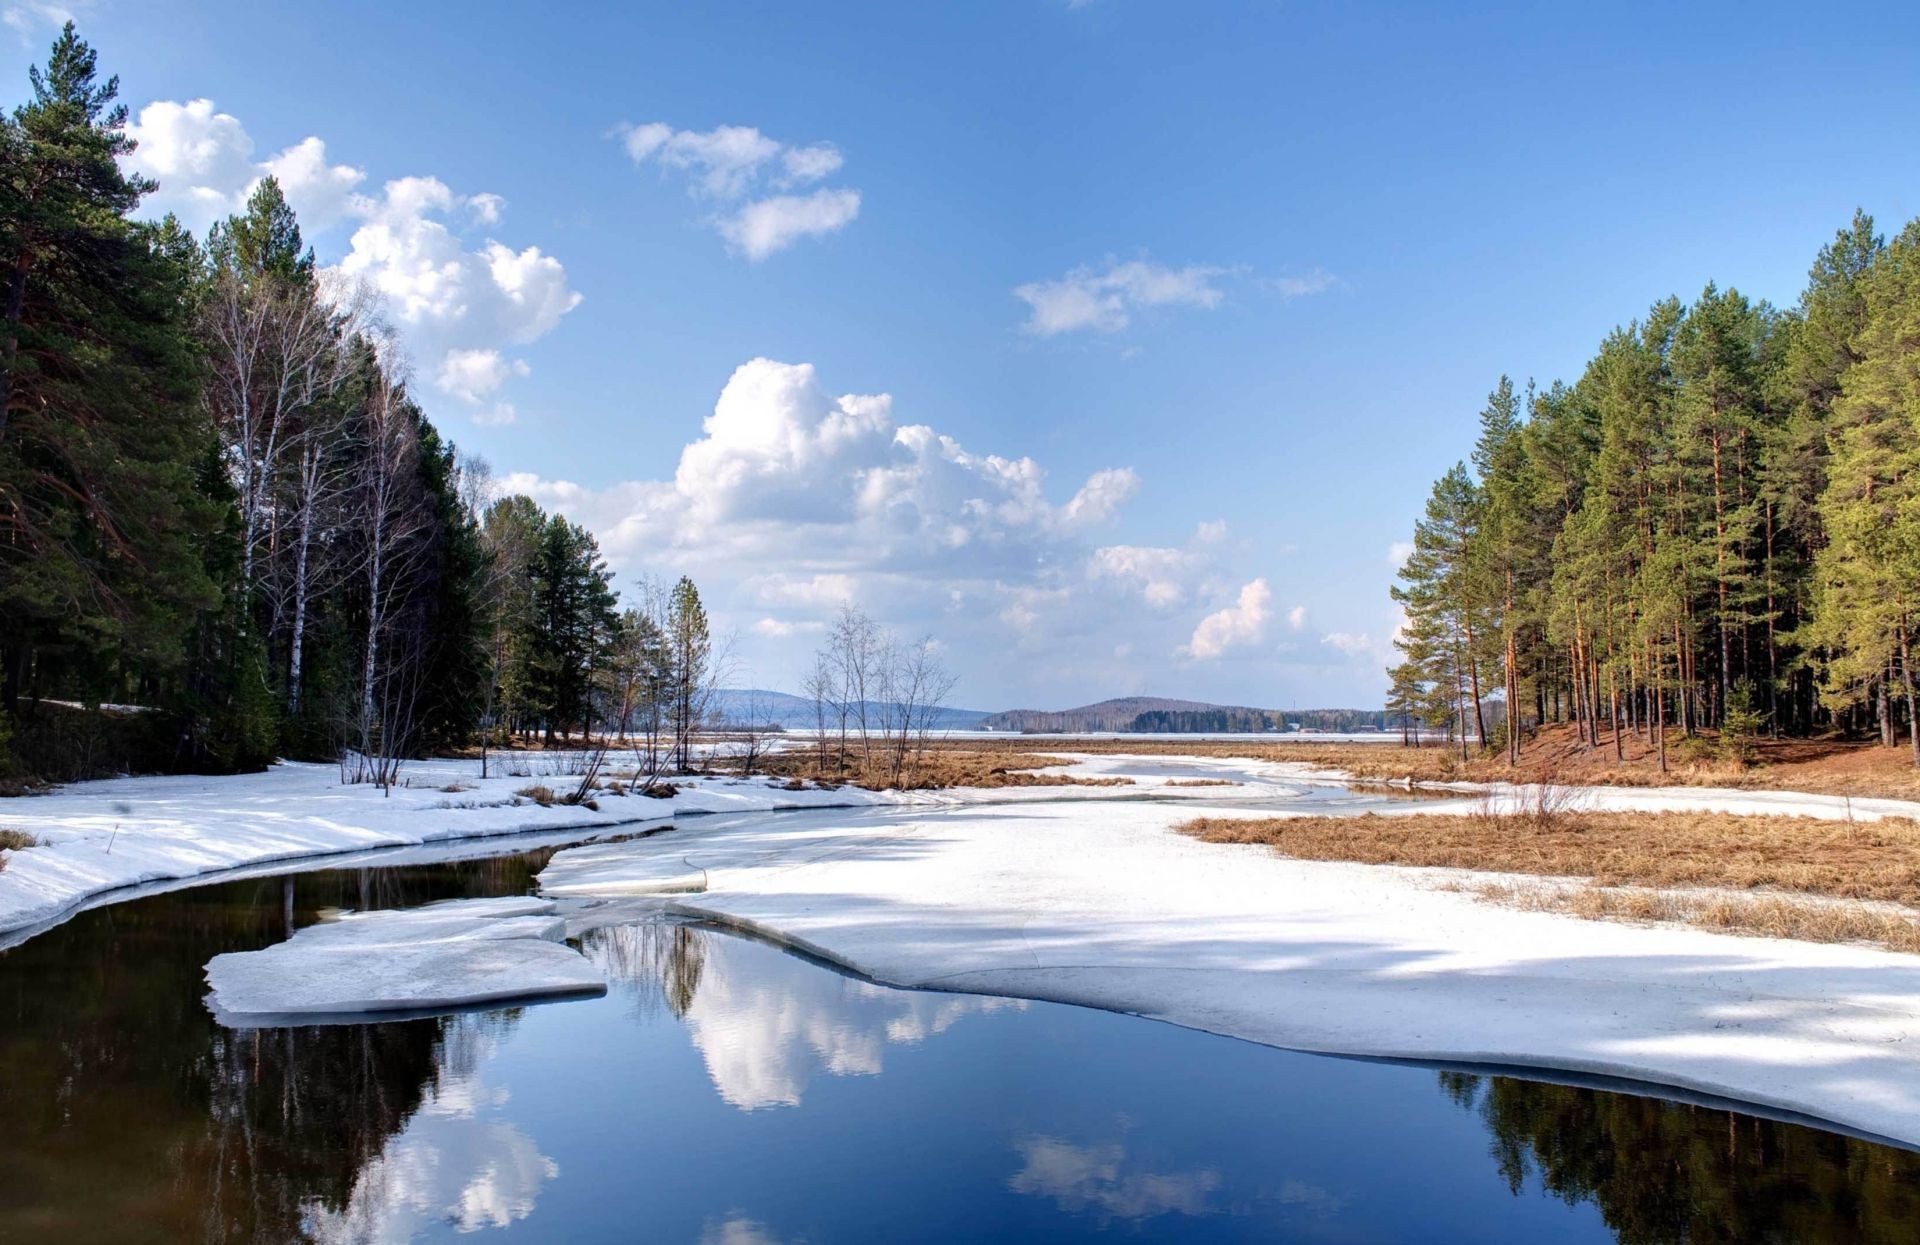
{"x": 1160, "y": 714}
{"x": 768, "y": 708}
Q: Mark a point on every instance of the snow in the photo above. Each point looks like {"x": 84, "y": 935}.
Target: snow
{"x": 439, "y": 957}
{"x": 1075, "y": 893}
{"x": 1105, "y": 905}
{"x": 101, "y": 837}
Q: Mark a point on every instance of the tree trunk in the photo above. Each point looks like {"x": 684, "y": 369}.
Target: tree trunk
{"x": 1906, "y": 675}
{"x": 10, "y": 342}
{"x": 297, "y": 645}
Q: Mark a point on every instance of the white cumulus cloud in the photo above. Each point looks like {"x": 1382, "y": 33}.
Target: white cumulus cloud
{"x": 1238, "y": 625}
{"x": 1104, "y": 299}
{"x": 458, "y": 304}
{"x": 751, "y": 182}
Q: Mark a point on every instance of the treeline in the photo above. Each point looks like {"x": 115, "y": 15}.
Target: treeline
{"x": 1152, "y": 714}
{"x": 1715, "y": 528}
{"x": 223, "y": 514}
{"x": 876, "y": 700}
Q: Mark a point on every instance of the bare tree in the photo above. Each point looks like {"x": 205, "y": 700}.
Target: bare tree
{"x": 652, "y": 693}
{"x": 921, "y": 684}
{"x": 392, "y": 523}
{"x": 854, "y": 645}
{"x": 273, "y": 356}
{"x": 891, "y": 692}
{"x": 822, "y": 688}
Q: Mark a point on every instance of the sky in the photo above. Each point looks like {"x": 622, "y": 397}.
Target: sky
{"x": 1113, "y": 344}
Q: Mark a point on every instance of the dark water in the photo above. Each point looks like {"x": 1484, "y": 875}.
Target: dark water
{"x": 726, "y": 1092}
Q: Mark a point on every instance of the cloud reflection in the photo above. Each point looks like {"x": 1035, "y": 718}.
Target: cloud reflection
{"x": 1100, "y": 1179}
{"x": 457, "y": 1162}
{"x": 765, "y": 1022}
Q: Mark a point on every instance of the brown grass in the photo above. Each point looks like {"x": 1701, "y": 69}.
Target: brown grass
{"x": 1202, "y": 782}
{"x": 541, "y": 795}
{"x": 940, "y": 767}
{"x": 1770, "y": 916}
{"x": 1829, "y": 766}
{"x": 1847, "y": 860}
{"x": 12, "y": 840}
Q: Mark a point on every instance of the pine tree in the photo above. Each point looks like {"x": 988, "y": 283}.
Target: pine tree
{"x": 690, "y": 662}
{"x": 102, "y": 517}
{"x": 1866, "y": 604}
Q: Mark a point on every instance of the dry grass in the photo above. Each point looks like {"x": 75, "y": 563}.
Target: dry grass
{"x": 12, "y": 840}
{"x": 939, "y": 767}
{"x": 1846, "y": 860}
{"x": 1770, "y": 916}
{"x": 542, "y": 795}
{"x": 1202, "y": 782}
{"x": 1828, "y": 766}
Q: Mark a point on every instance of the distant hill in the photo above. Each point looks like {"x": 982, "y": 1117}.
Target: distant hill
{"x": 768, "y": 708}
{"x": 1159, "y": 714}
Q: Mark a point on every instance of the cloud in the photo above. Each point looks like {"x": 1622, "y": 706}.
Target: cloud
{"x": 1316, "y": 281}
{"x": 1237, "y": 626}
{"x": 790, "y": 499}
{"x": 769, "y": 225}
{"x": 1398, "y": 553}
{"x": 1297, "y": 617}
{"x": 30, "y": 18}
{"x": 475, "y": 374}
{"x": 1100, "y": 1179}
{"x": 1104, "y": 300}
{"x": 747, "y": 177}
{"x": 203, "y": 160}
{"x": 782, "y": 629}
{"x": 1163, "y": 576}
{"x": 458, "y": 304}
{"x": 786, "y": 472}
{"x": 1353, "y": 644}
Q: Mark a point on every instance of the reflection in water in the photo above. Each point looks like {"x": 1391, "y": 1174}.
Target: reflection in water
{"x": 1663, "y": 1171}
{"x": 737, "y": 1230}
{"x": 128, "y": 1115}
{"x": 1100, "y": 1179}
{"x": 764, "y": 1029}
{"x": 457, "y": 1160}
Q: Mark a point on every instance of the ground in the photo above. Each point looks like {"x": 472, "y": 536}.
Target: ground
{"x": 1088, "y": 893}
{"x": 1828, "y": 765}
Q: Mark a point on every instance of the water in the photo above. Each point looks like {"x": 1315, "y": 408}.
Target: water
{"x": 727, "y": 1092}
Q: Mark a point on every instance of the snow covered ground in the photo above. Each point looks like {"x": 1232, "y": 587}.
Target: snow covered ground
{"x": 1087, "y": 895}
{"x": 1105, "y": 905}
{"x": 99, "y": 837}
{"x": 434, "y": 958}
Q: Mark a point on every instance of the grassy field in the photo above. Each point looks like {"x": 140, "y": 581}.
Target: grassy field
{"x": 1825, "y": 766}
{"x": 1791, "y": 877}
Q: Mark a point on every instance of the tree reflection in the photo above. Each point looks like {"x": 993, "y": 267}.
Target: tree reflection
{"x": 128, "y": 1114}
{"x": 1672, "y": 1172}
{"x": 657, "y": 962}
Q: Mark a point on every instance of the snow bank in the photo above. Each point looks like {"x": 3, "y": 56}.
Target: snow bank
{"x": 1105, "y": 905}
{"x": 434, "y": 958}
{"x": 101, "y": 837}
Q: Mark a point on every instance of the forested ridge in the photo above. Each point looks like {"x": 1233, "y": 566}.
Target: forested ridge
{"x": 1714, "y": 531}
{"x": 224, "y": 516}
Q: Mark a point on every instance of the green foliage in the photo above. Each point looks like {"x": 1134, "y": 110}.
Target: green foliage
{"x": 1728, "y": 498}
{"x": 1740, "y": 729}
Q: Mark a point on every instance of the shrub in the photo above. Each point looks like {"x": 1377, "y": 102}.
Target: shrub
{"x": 12, "y": 840}
{"x": 1741, "y": 729}
{"x": 541, "y": 795}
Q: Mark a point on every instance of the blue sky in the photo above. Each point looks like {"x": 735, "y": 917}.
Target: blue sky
{"x": 1273, "y": 257}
